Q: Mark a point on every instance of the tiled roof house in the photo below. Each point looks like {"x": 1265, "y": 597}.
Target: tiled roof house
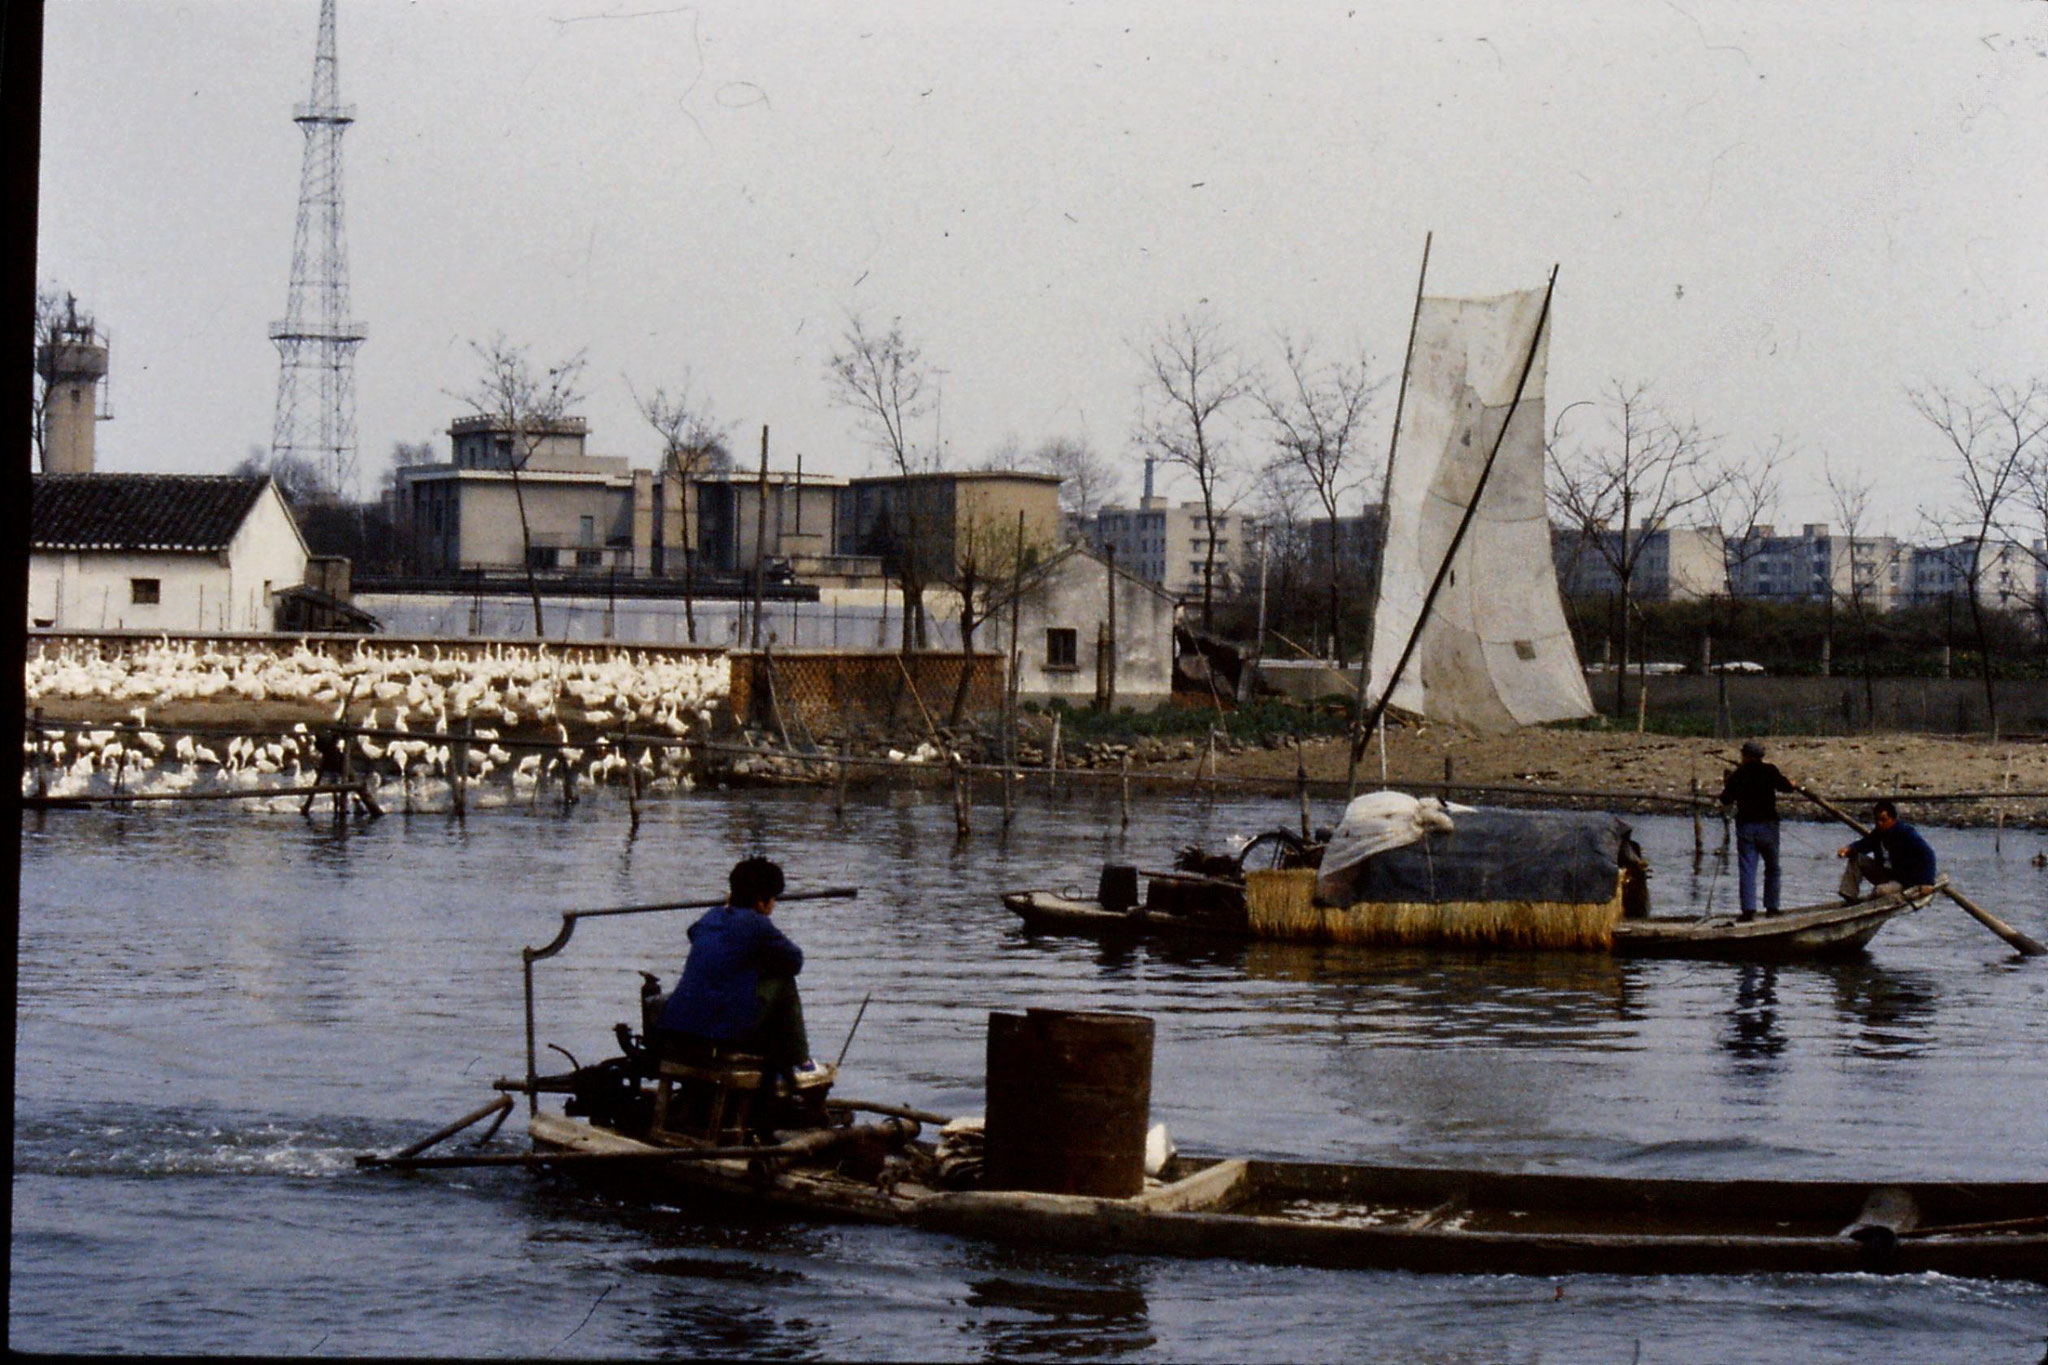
{"x": 177, "y": 552}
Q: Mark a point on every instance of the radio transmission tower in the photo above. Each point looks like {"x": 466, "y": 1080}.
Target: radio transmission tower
{"x": 316, "y": 342}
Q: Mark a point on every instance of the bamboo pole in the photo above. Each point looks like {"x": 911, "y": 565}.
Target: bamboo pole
{"x": 1126, "y": 806}
{"x": 808, "y": 1144}
{"x": 496, "y": 1106}
{"x": 1380, "y": 556}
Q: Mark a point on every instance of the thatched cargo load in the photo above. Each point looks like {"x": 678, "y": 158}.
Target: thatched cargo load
{"x": 1491, "y": 878}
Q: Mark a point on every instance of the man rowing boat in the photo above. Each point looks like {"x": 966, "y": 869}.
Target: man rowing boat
{"x": 1893, "y": 853}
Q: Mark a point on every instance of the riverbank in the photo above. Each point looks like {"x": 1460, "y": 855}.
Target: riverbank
{"x": 1851, "y": 770}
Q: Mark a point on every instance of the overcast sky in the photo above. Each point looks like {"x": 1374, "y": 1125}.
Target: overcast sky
{"x": 1779, "y": 215}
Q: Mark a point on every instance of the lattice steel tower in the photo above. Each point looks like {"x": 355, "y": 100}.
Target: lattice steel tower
{"x": 316, "y": 342}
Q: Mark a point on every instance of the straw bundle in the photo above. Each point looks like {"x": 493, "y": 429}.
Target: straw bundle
{"x": 1281, "y": 904}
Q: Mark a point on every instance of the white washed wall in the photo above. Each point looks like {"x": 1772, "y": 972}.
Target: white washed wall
{"x": 94, "y": 590}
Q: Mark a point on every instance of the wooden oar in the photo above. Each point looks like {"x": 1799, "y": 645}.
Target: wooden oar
{"x": 2020, "y": 942}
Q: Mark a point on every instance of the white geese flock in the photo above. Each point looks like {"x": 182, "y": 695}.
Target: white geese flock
{"x": 544, "y": 693}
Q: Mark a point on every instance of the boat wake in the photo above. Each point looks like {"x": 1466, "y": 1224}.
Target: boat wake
{"x": 154, "y": 1142}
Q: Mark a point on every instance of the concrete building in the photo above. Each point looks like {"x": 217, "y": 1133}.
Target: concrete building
{"x": 1063, "y": 616}
{"x": 799, "y": 533}
{"x": 2012, "y": 578}
{"x": 952, "y": 512}
{"x": 1682, "y": 564}
{"x": 72, "y": 365}
{"x": 1167, "y": 544}
{"x": 1811, "y": 565}
{"x": 585, "y": 513}
{"x": 183, "y": 552}
{"x": 597, "y": 516}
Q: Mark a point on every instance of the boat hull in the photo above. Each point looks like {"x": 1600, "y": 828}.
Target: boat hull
{"x": 1425, "y": 1219}
{"x": 1808, "y": 933}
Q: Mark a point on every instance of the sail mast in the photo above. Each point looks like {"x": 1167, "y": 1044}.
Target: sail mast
{"x": 1464, "y": 524}
{"x": 1379, "y": 559}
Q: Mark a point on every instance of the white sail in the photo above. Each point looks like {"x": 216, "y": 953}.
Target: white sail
{"x": 1495, "y": 653}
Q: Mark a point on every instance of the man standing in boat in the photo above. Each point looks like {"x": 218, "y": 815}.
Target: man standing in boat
{"x": 738, "y": 987}
{"x": 1752, "y": 788}
{"x": 1893, "y": 852}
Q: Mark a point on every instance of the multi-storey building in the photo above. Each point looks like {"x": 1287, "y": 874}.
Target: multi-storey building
{"x": 1682, "y": 564}
{"x": 1167, "y": 543}
{"x": 2010, "y": 577}
{"x": 1814, "y": 565}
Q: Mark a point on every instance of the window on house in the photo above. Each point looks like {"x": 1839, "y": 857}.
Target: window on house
{"x": 541, "y": 557}
{"x": 145, "y": 592}
{"x": 1062, "y": 648}
{"x": 587, "y": 531}
{"x": 589, "y": 559}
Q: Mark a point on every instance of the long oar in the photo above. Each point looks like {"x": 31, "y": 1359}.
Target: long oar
{"x": 2020, "y": 942}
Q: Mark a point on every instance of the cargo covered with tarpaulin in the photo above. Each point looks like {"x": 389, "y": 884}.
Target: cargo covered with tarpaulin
{"x": 1456, "y": 875}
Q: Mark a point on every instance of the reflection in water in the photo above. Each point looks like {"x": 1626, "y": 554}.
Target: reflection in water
{"x": 1032, "y": 1319}
{"x": 1894, "y": 1011}
{"x": 1753, "y": 1034}
{"x": 1510, "y": 1000}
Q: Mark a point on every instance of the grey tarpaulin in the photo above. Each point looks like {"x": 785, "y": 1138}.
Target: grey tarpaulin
{"x": 1497, "y": 855}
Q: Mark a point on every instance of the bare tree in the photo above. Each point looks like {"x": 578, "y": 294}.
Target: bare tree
{"x": 1192, "y": 376}
{"x": 530, "y": 403}
{"x": 991, "y": 551}
{"x": 50, "y": 309}
{"x": 1995, "y": 435}
{"x": 1871, "y": 559}
{"x": 1317, "y": 413}
{"x": 692, "y": 444}
{"x": 1622, "y": 488}
{"x": 1087, "y": 480}
{"x": 884, "y": 379}
{"x": 2033, "y": 504}
{"x": 298, "y": 478}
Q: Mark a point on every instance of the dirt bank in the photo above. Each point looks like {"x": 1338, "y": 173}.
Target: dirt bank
{"x": 1851, "y": 770}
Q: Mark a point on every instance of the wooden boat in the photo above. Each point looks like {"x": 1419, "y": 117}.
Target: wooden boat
{"x": 1377, "y": 1217}
{"x": 1804, "y": 933}
{"x": 697, "y": 1129}
{"x": 1837, "y": 929}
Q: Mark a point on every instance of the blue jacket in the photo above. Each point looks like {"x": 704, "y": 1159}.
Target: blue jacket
{"x": 1907, "y": 854}
{"x": 731, "y": 948}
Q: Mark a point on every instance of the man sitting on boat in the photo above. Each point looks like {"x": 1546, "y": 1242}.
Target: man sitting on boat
{"x": 1892, "y": 855}
{"x": 738, "y": 989}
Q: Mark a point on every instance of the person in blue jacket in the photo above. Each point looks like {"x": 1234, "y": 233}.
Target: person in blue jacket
{"x": 738, "y": 985}
{"x": 1892, "y": 852}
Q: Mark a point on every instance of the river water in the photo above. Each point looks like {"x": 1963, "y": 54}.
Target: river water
{"x": 219, "y": 1008}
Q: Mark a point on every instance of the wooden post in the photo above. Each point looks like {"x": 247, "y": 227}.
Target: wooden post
{"x": 1449, "y": 774}
{"x": 1126, "y": 791}
{"x": 1009, "y": 779}
{"x": 1210, "y": 759}
{"x": 839, "y": 793}
{"x": 1108, "y": 660}
{"x": 1699, "y": 839}
{"x": 460, "y": 755}
{"x": 633, "y": 788}
{"x": 1724, "y": 725}
{"x": 42, "y": 741}
{"x": 961, "y": 799}
{"x": 1052, "y": 761}
{"x": 760, "y": 534}
{"x": 568, "y": 778}
{"x": 1301, "y": 786}
{"x": 1642, "y": 700}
